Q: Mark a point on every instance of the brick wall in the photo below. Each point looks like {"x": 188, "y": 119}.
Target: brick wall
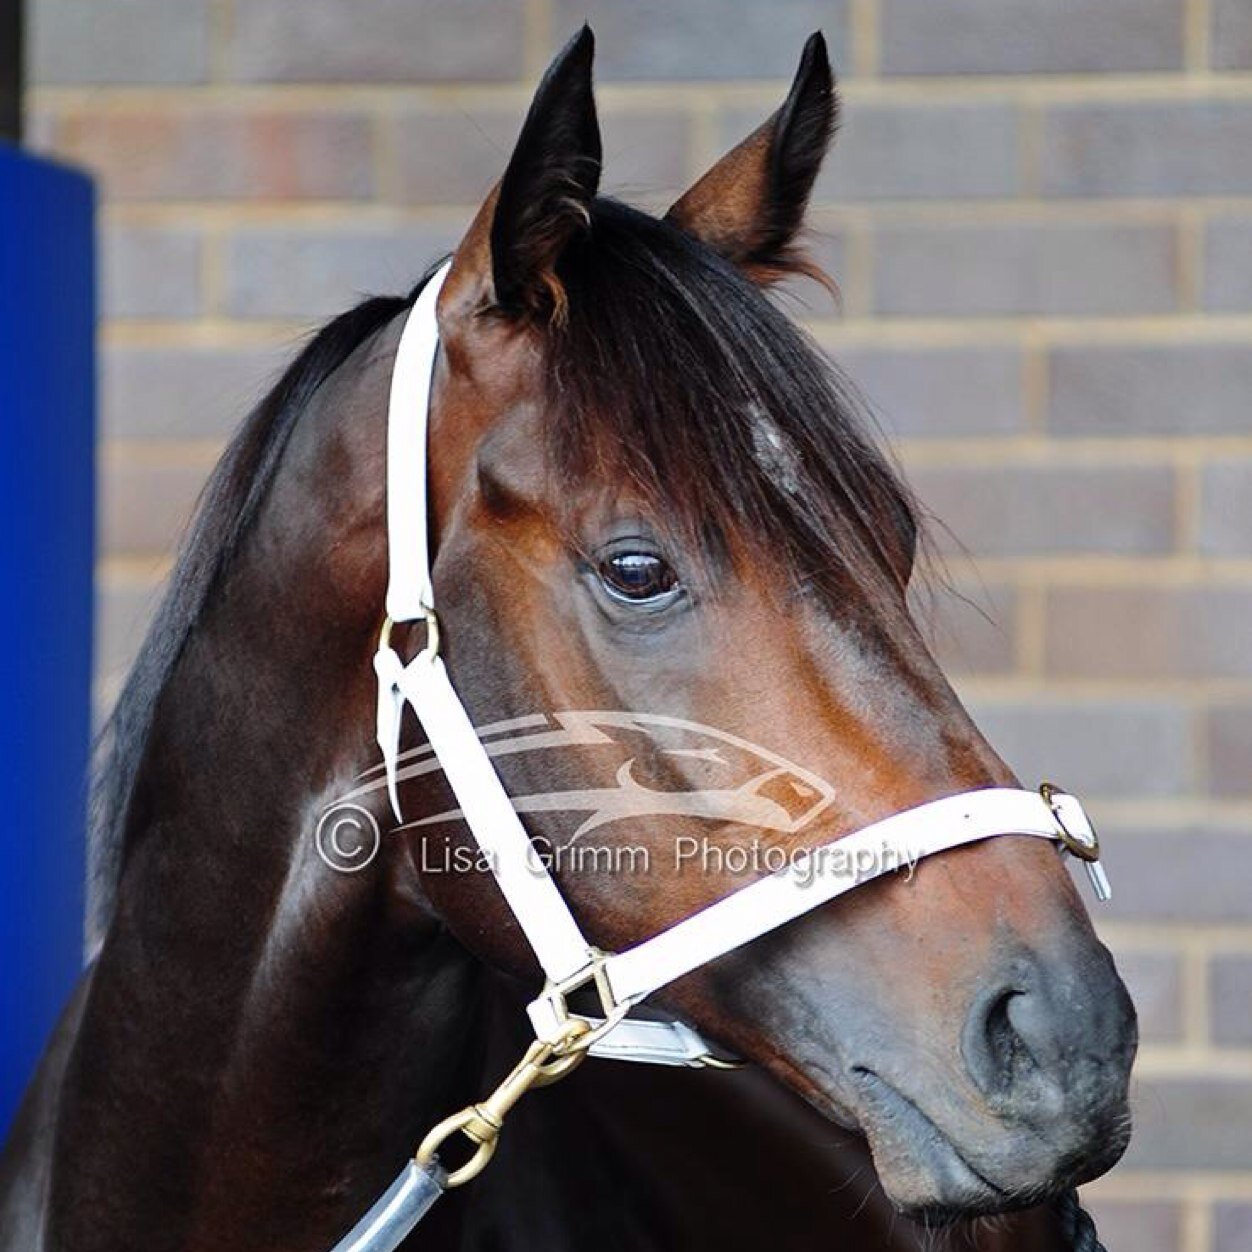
{"x": 1040, "y": 213}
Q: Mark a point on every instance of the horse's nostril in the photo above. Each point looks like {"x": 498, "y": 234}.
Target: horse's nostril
{"x": 997, "y": 1055}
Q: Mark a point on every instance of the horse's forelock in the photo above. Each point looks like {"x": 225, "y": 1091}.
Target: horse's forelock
{"x": 679, "y": 375}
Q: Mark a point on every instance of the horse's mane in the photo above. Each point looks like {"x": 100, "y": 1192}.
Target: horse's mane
{"x": 671, "y": 371}
{"x": 227, "y": 506}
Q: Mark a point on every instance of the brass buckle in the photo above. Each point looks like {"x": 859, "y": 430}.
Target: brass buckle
{"x": 1077, "y": 842}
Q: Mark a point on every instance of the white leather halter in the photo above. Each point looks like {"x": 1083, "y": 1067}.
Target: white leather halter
{"x": 623, "y": 980}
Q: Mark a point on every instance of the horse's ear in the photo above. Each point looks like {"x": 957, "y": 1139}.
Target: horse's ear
{"x": 750, "y": 205}
{"x": 543, "y": 200}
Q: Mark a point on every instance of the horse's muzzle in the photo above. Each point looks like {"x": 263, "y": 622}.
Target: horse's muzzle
{"x": 1047, "y": 1048}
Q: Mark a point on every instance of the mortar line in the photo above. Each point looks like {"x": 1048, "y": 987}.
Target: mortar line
{"x": 1197, "y": 36}
{"x": 705, "y": 144}
{"x": 1191, "y": 259}
{"x": 923, "y": 90}
{"x": 537, "y": 40}
{"x": 856, "y": 289}
{"x": 212, "y": 276}
{"x": 1032, "y": 631}
{"x": 864, "y": 25}
{"x": 221, "y": 29}
{"x": 1195, "y": 991}
{"x": 1072, "y": 211}
{"x": 1035, "y": 382}
{"x": 1197, "y": 1224}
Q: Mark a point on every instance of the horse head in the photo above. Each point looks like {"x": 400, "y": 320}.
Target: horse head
{"x": 672, "y": 571}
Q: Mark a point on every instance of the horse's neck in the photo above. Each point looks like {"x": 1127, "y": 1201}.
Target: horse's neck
{"x": 265, "y": 1038}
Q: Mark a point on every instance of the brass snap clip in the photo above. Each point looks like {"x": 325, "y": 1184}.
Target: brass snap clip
{"x": 543, "y": 1064}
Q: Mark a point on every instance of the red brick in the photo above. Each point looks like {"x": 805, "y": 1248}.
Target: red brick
{"x": 1154, "y": 978}
{"x": 182, "y": 393}
{"x": 124, "y": 607}
{"x": 932, "y": 393}
{"x": 1031, "y": 510}
{"x": 1022, "y": 36}
{"x": 1201, "y": 1123}
{"x": 1232, "y": 1226}
{"x": 1232, "y": 50}
{"x": 456, "y": 157}
{"x": 223, "y": 155}
{"x": 934, "y": 151}
{"x": 119, "y": 41}
{"x": 1226, "y": 508}
{"x": 38, "y": 129}
{"x": 1229, "y": 737}
{"x": 971, "y": 628}
{"x": 1227, "y": 284}
{"x": 1147, "y": 632}
{"x": 145, "y": 505}
{"x": 150, "y": 271}
{"x": 1096, "y": 747}
{"x": 1035, "y": 267}
{"x": 403, "y": 41}
{"x": 309, "y": 273}
{"x": 1191, "y": 876}
{"x": 1127, "y": 1226}
{"x": 1148, "y": 148}
{"x": 645, "y": 152}
{"x": 1230, "y": 999}
{"x": 703, "y": 39}
{"x": 1150, "y": 389}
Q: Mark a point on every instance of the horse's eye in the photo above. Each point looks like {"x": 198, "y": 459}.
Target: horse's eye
{"x": 637, "y": 576}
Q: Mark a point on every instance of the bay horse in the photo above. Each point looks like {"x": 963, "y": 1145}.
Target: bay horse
{"x": 650, "y": 493}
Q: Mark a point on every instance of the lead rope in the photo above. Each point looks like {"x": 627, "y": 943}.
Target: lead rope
{"x": 1077, "y": 1225}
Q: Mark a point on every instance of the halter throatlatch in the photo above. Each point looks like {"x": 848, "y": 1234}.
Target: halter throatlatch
{"x": 620, "y": 980}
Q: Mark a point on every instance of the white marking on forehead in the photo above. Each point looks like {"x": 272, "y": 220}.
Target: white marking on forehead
{"x": 774, "y": 452}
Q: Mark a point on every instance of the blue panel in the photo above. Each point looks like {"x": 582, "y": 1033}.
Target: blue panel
{"x": 47, "y": 437}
